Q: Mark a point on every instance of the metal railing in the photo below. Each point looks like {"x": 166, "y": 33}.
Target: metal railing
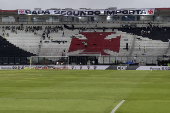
{"x": 100, "y": 59}
{"x": 134, "y": 59}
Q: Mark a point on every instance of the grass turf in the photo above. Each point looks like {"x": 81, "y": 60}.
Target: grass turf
{"x": 84, "y": 91}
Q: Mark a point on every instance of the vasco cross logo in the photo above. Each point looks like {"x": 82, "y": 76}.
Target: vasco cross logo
{"x": 150, "y": 11}
{"x": 21, "y": 11}
{"x": 96, "y": 42}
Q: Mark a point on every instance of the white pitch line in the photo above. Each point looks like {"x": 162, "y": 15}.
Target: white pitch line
{"x": 114, "y": 110}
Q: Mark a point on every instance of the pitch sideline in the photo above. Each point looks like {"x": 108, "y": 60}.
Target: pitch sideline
{"x": 114, "y": 110}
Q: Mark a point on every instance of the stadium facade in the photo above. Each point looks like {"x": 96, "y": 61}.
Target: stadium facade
{"x": 85, "y": 16}
{"x": 94, "y": 36}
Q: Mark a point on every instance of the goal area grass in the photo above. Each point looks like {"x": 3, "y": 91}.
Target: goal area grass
{"x": 84, "y": 91}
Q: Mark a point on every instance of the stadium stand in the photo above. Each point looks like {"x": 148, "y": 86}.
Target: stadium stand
{"x": 117, "y": 37}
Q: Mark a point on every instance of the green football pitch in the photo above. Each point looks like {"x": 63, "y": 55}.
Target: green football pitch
{"x": 84, "y": 91}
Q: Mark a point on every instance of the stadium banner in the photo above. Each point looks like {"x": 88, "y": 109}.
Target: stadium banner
{"x": 84, "y": 67}
{"x": 73, "y": 67}
{"x": 125, "y": 67}
{"x": 153, "y": 68}
{"x": 138, "y": 68}
{"x": 80, "y": 13}
{"x": 12, "y": 67}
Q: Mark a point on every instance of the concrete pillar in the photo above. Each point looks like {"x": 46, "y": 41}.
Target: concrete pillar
{"x": 151, "y": 18}
{"x": 60, "y": 19}
{"x": 30, "y": 19}
{"x": 74, "y": 22}
{"x": 136, "y": 19}
{"x": 120, "y": 19}
{"x": 0, "y": 19}
{"x": 165, "y": 19}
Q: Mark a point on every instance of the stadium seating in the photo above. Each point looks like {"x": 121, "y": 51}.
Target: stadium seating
{"x": 155, "y": 44}
{"x": 112, "y": 43}
{"x": 96, "y": 42}
{"x": 7, "y": 49}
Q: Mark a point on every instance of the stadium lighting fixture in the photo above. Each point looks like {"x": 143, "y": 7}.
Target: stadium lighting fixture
{"x": 108, "y": 17}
